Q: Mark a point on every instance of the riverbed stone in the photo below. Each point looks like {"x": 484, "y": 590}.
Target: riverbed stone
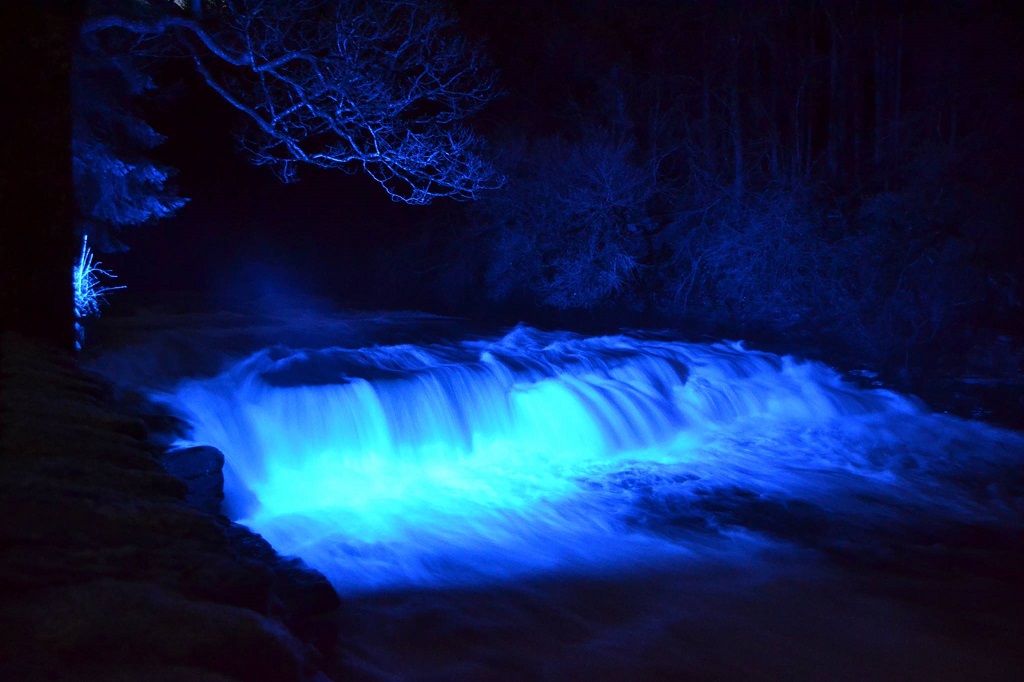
{"x": 202, "y": 470}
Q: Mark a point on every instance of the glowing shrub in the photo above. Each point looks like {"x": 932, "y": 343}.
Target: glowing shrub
{"x": 90, "y": 292}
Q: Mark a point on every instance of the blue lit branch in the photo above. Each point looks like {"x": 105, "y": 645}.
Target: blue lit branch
{"x": 90, "y": 292}
{"x": 382, "y": 86}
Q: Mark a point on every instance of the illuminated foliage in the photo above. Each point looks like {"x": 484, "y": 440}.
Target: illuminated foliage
{"x": 116, "y": 185}
{"x": 90, "y": 292}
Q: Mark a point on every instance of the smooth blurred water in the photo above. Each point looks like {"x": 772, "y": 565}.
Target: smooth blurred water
{"x": 488, "y": 460}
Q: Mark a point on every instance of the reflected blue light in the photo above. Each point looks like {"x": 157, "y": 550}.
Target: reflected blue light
{"x": 483, "y": 460}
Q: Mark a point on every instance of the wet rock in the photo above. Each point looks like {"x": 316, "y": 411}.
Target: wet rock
{"x": 301, "y": 597}
{"x": 304, "y": 593}
{"x": 164, "y": 429}
{"x": 202, "y": 470}
{"x": 239, "y": 502}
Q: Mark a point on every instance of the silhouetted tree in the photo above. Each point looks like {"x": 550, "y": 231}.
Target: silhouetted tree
{"x": 848, "y": 168}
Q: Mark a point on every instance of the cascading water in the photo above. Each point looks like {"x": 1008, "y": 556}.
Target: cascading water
{"x": 477, "y": 461}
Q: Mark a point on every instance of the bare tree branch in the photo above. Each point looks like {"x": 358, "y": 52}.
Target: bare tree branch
{"x": 383, "y": 85}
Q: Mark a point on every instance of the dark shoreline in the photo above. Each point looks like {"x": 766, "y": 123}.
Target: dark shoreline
{"x": 111, "y": 569}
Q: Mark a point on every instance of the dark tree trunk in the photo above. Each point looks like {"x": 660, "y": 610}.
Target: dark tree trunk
{"x": 898, "y": 97}
{"x": 37, "y": 246}
{"x": 706, "y": 122}
{"x": 879, "y": 81}
{"x": 834, "y": 108}
{"x": 737, "y": 131}
{"x": 797, "y": 171}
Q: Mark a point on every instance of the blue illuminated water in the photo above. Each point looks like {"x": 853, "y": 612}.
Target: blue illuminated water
{"x": 483, "y": 460}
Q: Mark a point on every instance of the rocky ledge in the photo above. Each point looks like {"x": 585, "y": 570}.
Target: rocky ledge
{"x": 115, "y": 563}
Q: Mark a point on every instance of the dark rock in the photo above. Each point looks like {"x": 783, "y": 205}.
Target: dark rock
{"x": 303, "y": 591}
{"x": 299, "y": 596}
{"x": 239, "y": 582}
{"x": 165, "y": 429}
{"x": 202, "y": 469}
{"x": 299, "y": 591}
{"x": 115, "y": 561}
{"x": 195, "y": 462}
{"x": 240, "y": 502}
{"x": 111, "y": 623}
{"x": 248, "y": 544}
{"x": 996, "y": 355}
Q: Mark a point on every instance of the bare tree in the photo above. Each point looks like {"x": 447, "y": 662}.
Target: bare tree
{"x": 381, "y": 85}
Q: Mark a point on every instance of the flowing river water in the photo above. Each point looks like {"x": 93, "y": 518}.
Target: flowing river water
{"x": 529, "y": 504}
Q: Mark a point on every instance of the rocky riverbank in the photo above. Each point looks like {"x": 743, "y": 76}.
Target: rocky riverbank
{"x": 112, "y": 568}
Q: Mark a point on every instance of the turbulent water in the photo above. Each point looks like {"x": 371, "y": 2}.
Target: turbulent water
{"x": 545, "y": 505}
{"x": 532, "y": 453}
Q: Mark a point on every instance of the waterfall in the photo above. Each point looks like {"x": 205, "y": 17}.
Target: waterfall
{"x": 483, "y": 459}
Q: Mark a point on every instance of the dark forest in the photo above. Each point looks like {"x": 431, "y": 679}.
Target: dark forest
{"x": 844, "y": 170}
{"x": 836, "y": 174}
